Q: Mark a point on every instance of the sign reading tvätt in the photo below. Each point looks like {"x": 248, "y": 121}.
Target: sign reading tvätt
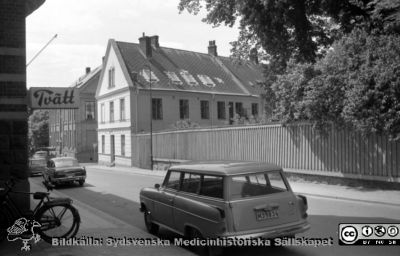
{"x": 53, "y": 97}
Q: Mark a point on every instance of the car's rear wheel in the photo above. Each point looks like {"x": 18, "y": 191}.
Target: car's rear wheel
{"x": 150, "y": 226}
{"x": 81, "y": 182}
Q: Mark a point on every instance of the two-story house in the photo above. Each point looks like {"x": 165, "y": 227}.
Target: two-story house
{"x": 74, "y": 131}
{"x": 144, "y": 84}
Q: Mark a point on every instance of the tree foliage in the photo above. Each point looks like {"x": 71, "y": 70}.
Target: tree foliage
{"x": 295, "y": 29}
{"x": 39, "y": 129}
{"x": 356, "y": 84}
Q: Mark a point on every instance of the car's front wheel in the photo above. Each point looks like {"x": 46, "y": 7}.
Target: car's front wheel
{"x": 150, "y": 226}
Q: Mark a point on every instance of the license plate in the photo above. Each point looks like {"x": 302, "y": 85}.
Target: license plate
{"x": 266, "y": 214}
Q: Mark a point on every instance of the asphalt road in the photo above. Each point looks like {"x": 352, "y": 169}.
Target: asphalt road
{"x": 117, "y": 194}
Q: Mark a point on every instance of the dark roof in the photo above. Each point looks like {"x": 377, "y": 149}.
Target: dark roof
{"x": 86, "y": 77}
{"x": 226, "y": 168}
{"x": 218, "y": 69}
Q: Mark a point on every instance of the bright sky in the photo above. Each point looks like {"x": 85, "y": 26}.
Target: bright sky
{"x": 84, "y": 27}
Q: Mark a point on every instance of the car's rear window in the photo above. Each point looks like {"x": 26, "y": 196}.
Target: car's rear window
{"x": 66, "y": 163}
{"x": 256, "y": 184}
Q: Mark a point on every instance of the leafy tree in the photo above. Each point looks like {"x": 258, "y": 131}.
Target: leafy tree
{"x": 39, "y": 129}
{"x": 355, "y": 85}
{"x": 298, "y": 29}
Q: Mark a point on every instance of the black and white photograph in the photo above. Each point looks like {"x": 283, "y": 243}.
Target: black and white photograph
{"x": 200, "y": 127}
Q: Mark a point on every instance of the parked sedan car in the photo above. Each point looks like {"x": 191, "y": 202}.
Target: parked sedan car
{"x": 37, "y": 166}
{"x": 61, "y": 170}
{"x": 225, "y": 199}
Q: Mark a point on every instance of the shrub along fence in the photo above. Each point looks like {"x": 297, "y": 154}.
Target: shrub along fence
{"x": 298, "y": 147}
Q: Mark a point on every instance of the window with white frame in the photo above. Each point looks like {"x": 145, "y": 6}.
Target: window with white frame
{"x": 206, "y": 80}
{"x": 111, "y": 77}
{"x": 205, "y": 109}
{"x": 89, "y": 110}
{"x": 122, "y": 109}
{"x": 188, "y": 78}
{"x": 149, "y": 75}
{"x": 111, "y": 111}
{"x": 156, "y": 109}
{"x": 122, "y": 145}
{"x": 103, "y": 143}
{"x": 184, "y": 109}
{"x": 173, "y": 77}
{"x": 102, "y": 113}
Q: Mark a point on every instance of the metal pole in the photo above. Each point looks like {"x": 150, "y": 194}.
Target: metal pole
{"x": 37, "y": 54}
{"x": 151, "y": 122}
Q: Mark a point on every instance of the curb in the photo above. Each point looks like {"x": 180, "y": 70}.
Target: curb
{"x": 349, "y": 199}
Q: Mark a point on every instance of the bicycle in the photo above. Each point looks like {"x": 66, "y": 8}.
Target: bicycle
{"x": 56, "y": 216}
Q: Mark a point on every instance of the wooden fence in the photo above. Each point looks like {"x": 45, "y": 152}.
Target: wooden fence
{"x": 339, "y": 153}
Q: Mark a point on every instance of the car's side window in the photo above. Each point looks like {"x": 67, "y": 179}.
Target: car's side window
{"x": 212, "y": 186}
{"x": 257, "y": 184}
{"x": 173, "y": 180}
{"x": 191, "y": 183}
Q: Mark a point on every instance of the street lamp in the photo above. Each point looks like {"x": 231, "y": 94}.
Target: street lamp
{"x": 151, "y": 119}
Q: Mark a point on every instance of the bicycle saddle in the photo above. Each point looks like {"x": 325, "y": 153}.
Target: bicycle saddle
{"x": 58, "y": 201}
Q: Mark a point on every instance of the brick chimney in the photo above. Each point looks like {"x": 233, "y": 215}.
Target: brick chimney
{"x": 154, "y": 42}
{"x": 87, "y": 70}
{"x": 212, "y": 48}
{"x": 145, "y": 45}
{"x": 253, "y": 55}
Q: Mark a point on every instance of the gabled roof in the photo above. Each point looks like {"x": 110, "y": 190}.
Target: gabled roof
{"x": 209, "y": 74}
{"x": 82, "y": 81}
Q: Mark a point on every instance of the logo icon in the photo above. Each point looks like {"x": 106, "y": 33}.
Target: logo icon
{"x": 380, "y": 231}
{"x": 367, "y": 231}
{"x": 23, "y": 229}
{"x": 348, "y": 234}
{"x": 392, "y": 231}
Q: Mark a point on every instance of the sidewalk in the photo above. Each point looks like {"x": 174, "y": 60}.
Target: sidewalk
{"x": 361, "y": 194}
{"x": 96, "y": 224}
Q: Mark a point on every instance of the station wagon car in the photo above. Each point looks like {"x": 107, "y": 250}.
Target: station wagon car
{"x": 225, "y": 199}
{"x": 61, "y": 170}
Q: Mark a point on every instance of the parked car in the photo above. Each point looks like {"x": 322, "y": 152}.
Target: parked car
{"x": 36, "y": 166}
{"x": 61, "y": 170}
{"x": 37, "y": 163}
{"x": 225, "y": 199}
{"x": 40, "y": 154}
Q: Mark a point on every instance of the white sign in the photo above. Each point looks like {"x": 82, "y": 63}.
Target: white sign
{"x": 53, "y": 97}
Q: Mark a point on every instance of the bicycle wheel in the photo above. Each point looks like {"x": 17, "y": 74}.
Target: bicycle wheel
{"x": 58, "y": 221}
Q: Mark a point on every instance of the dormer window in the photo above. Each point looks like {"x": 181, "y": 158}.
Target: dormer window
{"x": 206, "y": 80}
{"x": 111, "y": 77}
{"x": 149, "y": 76}
{"x": 219, "y": 80}
{"x": 188, "y": 78}
{"x": 173, "y": 78}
